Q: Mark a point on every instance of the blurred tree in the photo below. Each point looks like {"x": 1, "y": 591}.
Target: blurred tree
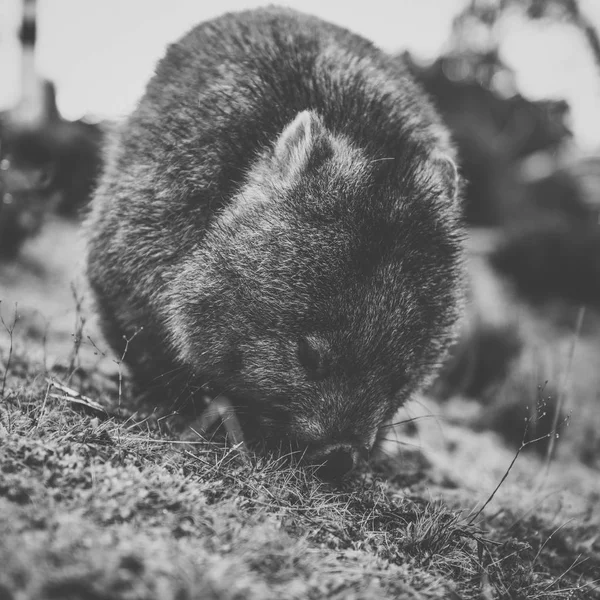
{"x": 46, "y": 162}
{"x": 495, "y": 127}
{"x": 50, "y": 164}
{"x": 492, "y": 132}
{"x": 477, "y": 23}
{"x": 520, "y": 169}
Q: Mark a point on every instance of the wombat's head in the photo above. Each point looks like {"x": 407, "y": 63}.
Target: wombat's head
{"x": 325, "y": 293}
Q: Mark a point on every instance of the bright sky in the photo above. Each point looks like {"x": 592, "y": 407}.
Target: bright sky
{"x": 101, "y": 53}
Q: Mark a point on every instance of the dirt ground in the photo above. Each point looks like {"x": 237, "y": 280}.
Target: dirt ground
{"x": 96, "y": 505}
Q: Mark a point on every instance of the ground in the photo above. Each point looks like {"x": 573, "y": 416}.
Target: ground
{"x": 97, "y": 504}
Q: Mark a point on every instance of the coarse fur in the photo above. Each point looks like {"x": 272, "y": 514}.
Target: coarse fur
{"x": 278, "y": 221}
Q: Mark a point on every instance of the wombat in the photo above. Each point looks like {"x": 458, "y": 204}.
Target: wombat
{"x": 278, "y": 221}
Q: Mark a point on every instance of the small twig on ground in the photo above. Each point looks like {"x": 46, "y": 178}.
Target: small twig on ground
{"x": 43, "y": 408}
{"x": 547, "y": 540}
{"x": 80, "y": 321}
{"x": 73, "y": 396}
{"x": 95, "y": 346}
{"x": 570, "y": 568}
{"x": 119, "y": 362}
{"x": 10, "y": 329}
{"x": 563, "y": 390}
{"x": 524, "y": 444}
{"x": 45, "y": 347}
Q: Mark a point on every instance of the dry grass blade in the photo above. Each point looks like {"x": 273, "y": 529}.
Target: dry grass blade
{"x": 73, "y": 396}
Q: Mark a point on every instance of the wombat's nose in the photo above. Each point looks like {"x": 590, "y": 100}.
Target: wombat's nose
{"x": 335, "y": 461}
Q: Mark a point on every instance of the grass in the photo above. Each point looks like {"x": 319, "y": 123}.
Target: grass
{"x": 94, "y": 505}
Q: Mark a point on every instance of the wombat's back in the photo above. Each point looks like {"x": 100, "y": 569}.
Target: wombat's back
{"x": 217, "y": 103}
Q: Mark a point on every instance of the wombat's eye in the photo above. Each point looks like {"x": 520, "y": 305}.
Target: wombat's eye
{"x": 312, "y": 359}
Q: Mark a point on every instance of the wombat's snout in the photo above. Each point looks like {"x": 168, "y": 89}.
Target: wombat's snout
{"x": 335, "y": 461}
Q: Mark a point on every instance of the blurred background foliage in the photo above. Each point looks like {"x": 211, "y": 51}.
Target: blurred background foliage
{"x": 517, "y": 158}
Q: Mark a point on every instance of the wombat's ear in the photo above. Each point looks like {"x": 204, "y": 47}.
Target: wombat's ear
{"x": 449, "y": 173}
{"x": 299, "y": 143}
